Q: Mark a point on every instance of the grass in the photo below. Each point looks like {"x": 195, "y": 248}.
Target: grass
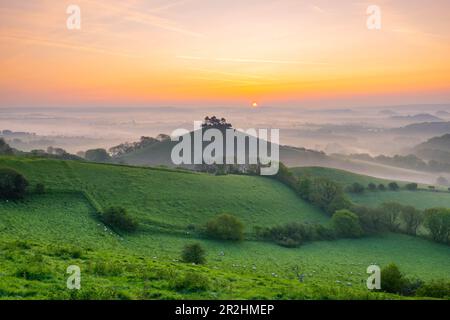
{"x": 421, "y": 199}
{"x": 44, "y": 234}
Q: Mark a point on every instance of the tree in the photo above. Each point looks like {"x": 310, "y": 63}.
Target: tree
{"x": 411, "y": 186}
{"x": 225, "y": 227}
{"x": 5, "y": 149}
{"x": 304, "y": 187}
{"x": 356, "y": 188}
{"x": 324, "y": 192}
{"x": 412, "y": 218}
{"x": 393, "y": 186}
{"x": 193, "y": 253}
{"x": 346, "y": 224}
{"x": 97, "y": 155}
{"x": 381, "y": 187}
{"x": 392, "y": 280}
{"x": 214, "y": 122}
{"x": 437, "y": 221}
{"x": 371, "y": 219}
{"x": 391, "y": 212}
{"x": 13, "y": 185}
{"x": 118, "y": 218}
{"x": 372, "y": 186}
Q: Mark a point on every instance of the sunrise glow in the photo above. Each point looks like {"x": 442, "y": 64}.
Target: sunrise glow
{"x": 216, "y": 53}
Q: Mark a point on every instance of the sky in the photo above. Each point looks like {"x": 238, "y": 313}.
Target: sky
{"x": 224, "y": 53}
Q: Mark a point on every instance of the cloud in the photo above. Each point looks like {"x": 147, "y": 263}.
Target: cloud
{"x": 246, "y": 60}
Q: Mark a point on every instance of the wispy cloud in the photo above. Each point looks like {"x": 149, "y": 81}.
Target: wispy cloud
{"x": 145, "y": 17}
{"x": 246, "y": 60}
{"x": 66, "y": 45}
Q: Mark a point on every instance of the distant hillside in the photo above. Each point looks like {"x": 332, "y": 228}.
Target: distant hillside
{"x": 437, "y": 149}
{"x": 159, "y": 153}
{"x": 423, "y": 117}
{"x": 426, "y": 128}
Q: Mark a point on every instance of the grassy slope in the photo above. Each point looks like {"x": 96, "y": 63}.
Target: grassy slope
{"x": 422, "y": 199}
{"x": 174, "y": 197}
{"x": 142, "y": 265}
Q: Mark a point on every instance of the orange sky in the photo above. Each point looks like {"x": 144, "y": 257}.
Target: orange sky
{"x": 193, "y": 52}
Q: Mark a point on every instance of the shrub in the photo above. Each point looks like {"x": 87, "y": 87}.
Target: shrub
{"x": 225, "y": 227}
{"x": 437, "y": 221}
{"x": 118, "y": 218}
{"x": 289, "y": 235}
{"x": 392, "y": 280}
{"x": 346, "y": 224}
{"x": 381, "y": 187}
{"x": 193, "y": 253}
{"x": 372, "y": 186}
{"x": 191, "y": 282}
{"x": 326, "y": 194}
{"x": 97, "y": 155}
{"x": 5, "y": 149}
{"x": 356, "y": 188}
{"x": 393, "y": 186}
{"x": 435, "y": 289}
{"x": 39, "y": 188}
{"x": 411, "y": 186}
{"x": 370, "y": 219}
{"x": 293, "y": 235}
{"x": 391, "y": 214}
{"x": 13, "y": 185}
{"x": 412, "y": 218}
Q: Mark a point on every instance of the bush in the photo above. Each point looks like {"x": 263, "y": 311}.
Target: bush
{"x": 293, "y": 235}
{"x": 97, "y": 155}
{"x": 411, "y": 186}
{"x": 381, "y": 187}
{"x": 346, "y": 224}
{"x": 356, "y": 188}
{"x": 391, "y": 214}
{"x": 193, "y": 253}
{"x": 289, "y": 235}
{"x": 326, "y": 194}
{"x": 412, "y": 219}
{"x": 392, "y": 280}
{"x": 437, "y": 221}
{"x": 13, "y": 185}
{"x": 118, "y": 218}
{"x": 393, "y": 186}
{"x": 191, "y": 282}
{"x": 5, "y": 149}
{"x": 435, "y": 289}
{"x": 225, "y": 227}
{"x": 370, "y": 219}
{"x": 372, "y": 186}
{"x": 39, "y": 188}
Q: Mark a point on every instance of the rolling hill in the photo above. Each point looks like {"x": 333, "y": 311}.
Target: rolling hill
{"x": 437, "y": 148}
{"x": 43, "y": 234}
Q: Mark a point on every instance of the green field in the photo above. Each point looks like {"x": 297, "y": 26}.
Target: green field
{"x": 421, "y": 199}
{"x": 42, "y": 235}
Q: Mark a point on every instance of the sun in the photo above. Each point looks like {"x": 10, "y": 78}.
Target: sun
{"x": 254, "y": 105}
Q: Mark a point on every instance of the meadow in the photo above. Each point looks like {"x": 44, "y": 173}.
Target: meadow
{"x": 43, "y": 234}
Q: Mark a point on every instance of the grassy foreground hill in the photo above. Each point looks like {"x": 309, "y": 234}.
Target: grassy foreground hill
{"x": 44, "y": 234}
